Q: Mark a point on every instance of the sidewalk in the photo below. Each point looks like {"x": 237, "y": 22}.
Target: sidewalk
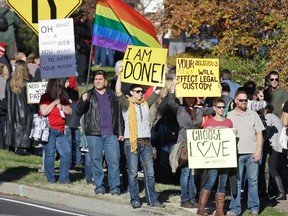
{"x": 87, "y": 204}
{"x": 78, "y": 202}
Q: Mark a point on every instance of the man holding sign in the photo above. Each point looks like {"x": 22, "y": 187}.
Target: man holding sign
{"x": 137, "y": 142}
{"x": 249, "y": 127}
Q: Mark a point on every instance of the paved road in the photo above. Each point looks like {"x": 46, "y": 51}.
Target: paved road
{"x": 61, "y": 201}
{"x": 24, "y": 207}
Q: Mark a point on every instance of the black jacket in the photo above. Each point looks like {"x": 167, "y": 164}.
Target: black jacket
{"x": 91, "y": 111}
{"x": 19, "y": 118}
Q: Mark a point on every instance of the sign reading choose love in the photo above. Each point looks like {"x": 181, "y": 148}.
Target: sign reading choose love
{"x": 211, "y": 148}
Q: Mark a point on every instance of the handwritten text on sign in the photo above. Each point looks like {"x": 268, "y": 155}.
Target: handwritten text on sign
{"x": 57, "y": 48}
{"x": 211, "y": 148}
{"x": 197, "y": 77}
{"x": 34, "y": 91}
{"x": 144, "y": 65}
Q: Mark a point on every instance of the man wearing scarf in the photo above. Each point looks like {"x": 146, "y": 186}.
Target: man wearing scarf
{"x": 137, "y": 142}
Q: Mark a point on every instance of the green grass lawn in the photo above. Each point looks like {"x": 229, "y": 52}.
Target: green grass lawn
{"x": 24, "y": 170}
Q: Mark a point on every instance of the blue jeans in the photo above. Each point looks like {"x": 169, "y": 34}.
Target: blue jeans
{"x": 252, "y": 177}
{"x": 188, "y": 189}
{"x": 73, "y": 136}
{"x": 144, "y": 156}
{"x": 88, "y": 169}
{"x": 212, "y": 176}
{"x": 109, "y": 144}
{"x": 57, "y": 140}
{"x": 101, "y": 51}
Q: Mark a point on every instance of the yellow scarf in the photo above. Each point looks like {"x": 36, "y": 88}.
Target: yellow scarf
{"x": 133, "y": 125}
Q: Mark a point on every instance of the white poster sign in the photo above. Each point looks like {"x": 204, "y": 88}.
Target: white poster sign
{"x": 211, "y": 148}
{"x": 34, "y": 91}
{"x": 57, "y": 48}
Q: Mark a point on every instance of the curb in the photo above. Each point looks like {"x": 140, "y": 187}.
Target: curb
{"x": 79, "y": 203}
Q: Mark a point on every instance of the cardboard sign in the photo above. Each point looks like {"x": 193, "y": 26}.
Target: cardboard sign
{"x": 197, "y": 77}
{"x": 211, "y": 148}
{"x": 34, "y": 91}
{"x": 144, "y": 65}
{"x": 57, "y": 48}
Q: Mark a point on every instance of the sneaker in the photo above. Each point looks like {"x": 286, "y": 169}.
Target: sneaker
{"x": 85, "y": 150}
{"x": 99, "y": 191}
{"x": 186, "y": 204}
{"x": 254, "y": 213}
{"x": 158, "y": 205}
{"x": 136, "y": 204}
{"x": 115, "y": 192}
{"x": 230, "y": 213}
{"x": 195, "y": 204}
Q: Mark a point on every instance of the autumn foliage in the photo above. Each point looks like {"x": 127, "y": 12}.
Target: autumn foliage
{"x": 243, "y": 28}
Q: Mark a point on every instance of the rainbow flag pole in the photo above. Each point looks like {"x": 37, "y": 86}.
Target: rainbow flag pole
{"x": 117, "y": 25}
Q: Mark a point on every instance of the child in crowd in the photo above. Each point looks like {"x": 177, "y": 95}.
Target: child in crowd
{"x": 73, "y": 129}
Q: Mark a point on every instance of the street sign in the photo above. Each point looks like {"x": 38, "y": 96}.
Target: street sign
{"x": 31, "y": 11}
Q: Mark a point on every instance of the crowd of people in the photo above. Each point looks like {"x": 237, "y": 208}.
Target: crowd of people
{"x": 123, "y": 124}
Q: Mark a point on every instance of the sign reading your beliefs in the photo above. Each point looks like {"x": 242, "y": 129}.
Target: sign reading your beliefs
{"x": 211, "y": 148}
{"x": 197, "y": 77}
{"x": 144, "y": 65}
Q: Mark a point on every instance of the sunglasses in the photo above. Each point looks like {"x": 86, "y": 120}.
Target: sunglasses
{"x": 220, "y": 107}
{"x": 243, "y": 100}
{"x": 139, "y": 91}
{"x": 276, "y": 79}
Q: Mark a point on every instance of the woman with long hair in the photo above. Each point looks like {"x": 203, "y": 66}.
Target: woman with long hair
{"x": 55, "y": 108}
{"x": 20, "y": 115}
{"x": 188, "y": 117}
{"x": 164, "y": 131}
{"x": 4, "y": 75}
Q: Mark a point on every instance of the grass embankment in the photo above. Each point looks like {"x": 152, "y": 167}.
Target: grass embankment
{"x": 24, "y": 170}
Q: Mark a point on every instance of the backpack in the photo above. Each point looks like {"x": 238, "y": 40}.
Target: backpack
{"x": 227, "y": 108}
{"x": 3, "y": 21}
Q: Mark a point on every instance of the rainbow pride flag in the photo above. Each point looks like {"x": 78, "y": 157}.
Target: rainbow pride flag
{"x": 117, "y": 25}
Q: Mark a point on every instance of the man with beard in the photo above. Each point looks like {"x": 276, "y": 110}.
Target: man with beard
{"x": 249, "y": 133}
{"x": 275, "y": 93}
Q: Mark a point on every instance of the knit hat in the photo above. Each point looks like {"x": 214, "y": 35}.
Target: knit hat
{"x": 2, "y": 48}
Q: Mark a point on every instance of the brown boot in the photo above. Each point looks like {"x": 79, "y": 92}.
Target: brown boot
{"x": 220, "y": 199}
{"x": 204, "y": 197}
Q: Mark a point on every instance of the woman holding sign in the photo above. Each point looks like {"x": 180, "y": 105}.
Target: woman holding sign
{"x": 188, "y": 117}
{"x": 55, "y": 109}
{"x": 218, "y": 121}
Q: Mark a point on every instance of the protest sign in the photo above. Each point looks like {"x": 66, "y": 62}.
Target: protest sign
{"x": 211, "y": 148}
{"x": 34, "y": 91}
{"x": 144, "y": 65}
{"x": 57, "y": 48}
{"x": 197, "y": 77}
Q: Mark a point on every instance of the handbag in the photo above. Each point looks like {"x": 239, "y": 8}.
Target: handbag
{"x": 183, "y": 156}
{"x": 283, "y": 138}
{"x": 40, "y": 128}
